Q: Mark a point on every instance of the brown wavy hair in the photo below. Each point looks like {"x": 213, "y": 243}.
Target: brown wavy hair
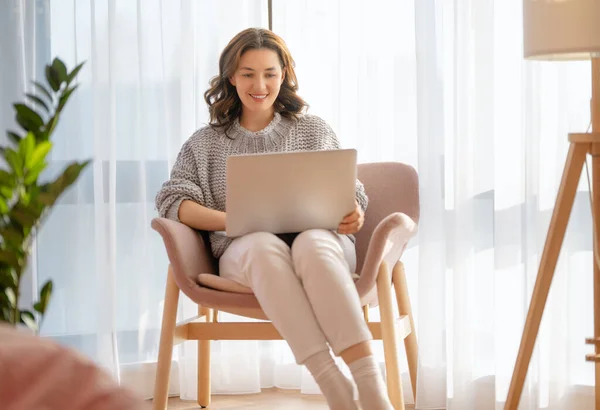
{"x": 224, "y": 104}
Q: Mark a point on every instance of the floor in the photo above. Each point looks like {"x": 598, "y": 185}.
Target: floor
{"x": 269, "y": 399}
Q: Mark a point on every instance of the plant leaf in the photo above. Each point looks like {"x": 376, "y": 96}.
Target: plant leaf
{"x": 15, "y": 162}
{"x": 26, "y": 147}
{"x": 64, "y": 98}
{"x": 61, "y": 71}
{"x": 51, "y": 191}
{"x": 4, "y": 313}
{"x": 8, "y": 278}
{"x": 45, "y": 295}
{"x": 7, "y": 192}
{"x": 28, "y": 319}
{"x": 14, "y": 137}
{"x": 26, "y": 123}
{"x": 36, "y": 205}
{"x": 6, "y": 178}
{"x": 14, "y": 236}
{"x": 43, "y": 90}
{"x": 34, "y": 172}
{"x": 74, "y": 73}
{"x": 3, "y": 206}
{"x": 37, "y": 306}
{"x": 50, "y": 127}
{"x": 24, "y": 216}
{"x": 29, "y": 114}
{"x": 39, "y": 154}
{"x": 52, "y": 78}
{"x": 10, "y": 294}
{"x": 39, "y": 101}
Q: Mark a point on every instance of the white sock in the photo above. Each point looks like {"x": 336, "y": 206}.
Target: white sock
{"x": 336, "y": 388}
{"x": 372, "y": 392}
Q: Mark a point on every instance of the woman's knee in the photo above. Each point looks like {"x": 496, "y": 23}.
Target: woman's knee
{"x": 263, "y": 253}
{"x": 263, "y": 244}
{"x": 316, "y": 246}
{"x": 317, "y": 241}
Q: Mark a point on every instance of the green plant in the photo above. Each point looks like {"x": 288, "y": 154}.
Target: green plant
{"x": 24, "y": 200}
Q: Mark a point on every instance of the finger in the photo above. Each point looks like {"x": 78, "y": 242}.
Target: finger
{"x": 343, "y": 229}
{"x": 349, "y": 224}
{"x": 350, "y": 214}
{"x": 351, "y": 218}
{"x": 349, "y": 228}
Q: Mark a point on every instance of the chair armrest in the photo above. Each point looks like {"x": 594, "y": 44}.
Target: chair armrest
{"x": 188, "y": 252}
{"x": 387, "y": 243}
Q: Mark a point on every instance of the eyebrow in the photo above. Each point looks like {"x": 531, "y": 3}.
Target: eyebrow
{"x": 251, "y": 69}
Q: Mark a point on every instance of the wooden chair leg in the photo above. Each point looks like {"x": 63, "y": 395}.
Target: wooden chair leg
{"x": 165, "y": 349}
{"x": 204, "y": 363}
{"x": 404, "y": 308}
{"x": 388, "y": 333}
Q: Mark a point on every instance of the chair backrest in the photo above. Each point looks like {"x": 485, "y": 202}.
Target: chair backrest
{"x": 391, "y": 187}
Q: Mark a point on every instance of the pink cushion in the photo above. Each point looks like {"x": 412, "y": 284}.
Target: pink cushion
{"x": 36, "y": 373}
{"x": 208, "y": 280}
{"x": 211, "y": 281}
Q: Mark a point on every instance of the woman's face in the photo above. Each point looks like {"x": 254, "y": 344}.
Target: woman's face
{"x": 258, "y": 79}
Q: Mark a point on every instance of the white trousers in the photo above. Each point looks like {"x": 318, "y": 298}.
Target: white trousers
{"x": 307, "y": 290}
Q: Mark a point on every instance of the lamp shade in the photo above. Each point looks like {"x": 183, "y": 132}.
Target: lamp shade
{"x": 561, "y": 29}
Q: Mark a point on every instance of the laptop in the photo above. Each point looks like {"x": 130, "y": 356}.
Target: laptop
{"x": 289, "y": 192}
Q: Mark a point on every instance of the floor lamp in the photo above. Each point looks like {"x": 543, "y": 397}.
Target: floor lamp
{"x": 564, "y": 30}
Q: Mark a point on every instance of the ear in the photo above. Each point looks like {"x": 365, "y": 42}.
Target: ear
{"x": 232, "y": 81}
{"x": 282, "y": 75}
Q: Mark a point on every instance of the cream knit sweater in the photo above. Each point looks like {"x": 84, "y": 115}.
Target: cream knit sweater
{"x": 199, "y": 174}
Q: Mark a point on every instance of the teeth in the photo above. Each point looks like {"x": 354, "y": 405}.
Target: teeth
{"x": 259, "y": 96}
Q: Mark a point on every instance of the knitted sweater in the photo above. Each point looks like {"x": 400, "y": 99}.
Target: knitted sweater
{"x": 199, "y": 173}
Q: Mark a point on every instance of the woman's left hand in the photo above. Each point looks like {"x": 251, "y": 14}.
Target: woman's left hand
{"x": 352, "y": 222}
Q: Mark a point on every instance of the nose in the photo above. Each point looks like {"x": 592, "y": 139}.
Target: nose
{"x": 259, "y": 84}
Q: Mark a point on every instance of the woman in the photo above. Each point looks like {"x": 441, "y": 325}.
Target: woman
{"x": 303, "y": 283}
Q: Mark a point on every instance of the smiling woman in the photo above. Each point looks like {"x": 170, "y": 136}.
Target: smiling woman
{"x": 439, "y": 85}
{"x": 303, "y": 280}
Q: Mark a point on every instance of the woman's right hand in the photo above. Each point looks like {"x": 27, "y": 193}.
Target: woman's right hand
{"x": 353, "y": 222}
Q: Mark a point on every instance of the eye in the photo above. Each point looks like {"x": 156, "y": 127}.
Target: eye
{"x": 247, "y": 75}
{"x": 270, "y": 75}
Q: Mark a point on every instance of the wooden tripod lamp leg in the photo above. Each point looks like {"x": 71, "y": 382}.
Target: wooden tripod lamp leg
{"x": 554, "y": 240}
{"x": 596, "y": 207}
{"x": 595, "y": 151}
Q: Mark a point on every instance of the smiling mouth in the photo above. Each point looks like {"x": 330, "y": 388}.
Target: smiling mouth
{"x": 259, "y": 96}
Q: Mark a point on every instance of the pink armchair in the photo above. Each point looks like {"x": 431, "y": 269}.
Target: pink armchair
{"x": 390, "y": 222}
{"x": 38, "y": 373}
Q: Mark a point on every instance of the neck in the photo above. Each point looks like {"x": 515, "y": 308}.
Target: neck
{"x": 256, "y": 121}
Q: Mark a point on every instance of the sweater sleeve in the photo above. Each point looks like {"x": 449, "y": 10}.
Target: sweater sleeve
{"x": 183, "y": 184}
{"x": 331, "y": 141}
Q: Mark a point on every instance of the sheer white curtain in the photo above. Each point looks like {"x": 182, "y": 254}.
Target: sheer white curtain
{"x": 440, "y": 85}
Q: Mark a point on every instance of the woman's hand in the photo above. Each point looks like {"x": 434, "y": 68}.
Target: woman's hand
{"x": 352, "y": 222}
